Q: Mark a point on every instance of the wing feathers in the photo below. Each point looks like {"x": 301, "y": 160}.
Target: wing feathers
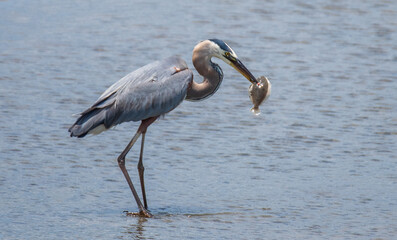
{"x": 152, "y": 90}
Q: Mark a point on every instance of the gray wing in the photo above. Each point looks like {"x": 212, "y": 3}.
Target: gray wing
{"x": 151, "y": 90}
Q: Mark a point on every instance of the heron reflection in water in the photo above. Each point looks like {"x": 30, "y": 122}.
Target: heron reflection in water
{"x": 154, "y": 90}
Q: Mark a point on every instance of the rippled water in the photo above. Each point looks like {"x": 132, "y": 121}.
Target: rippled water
{"x": 320, "y": 162}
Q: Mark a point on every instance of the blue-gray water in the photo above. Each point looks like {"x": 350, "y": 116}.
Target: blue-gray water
{"x": 320, "y": 162}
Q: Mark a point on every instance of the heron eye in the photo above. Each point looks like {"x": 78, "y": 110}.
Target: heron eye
{"x": 227, "y": 54}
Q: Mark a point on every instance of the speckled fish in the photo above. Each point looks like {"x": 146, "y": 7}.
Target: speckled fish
{"x": 259, "y": 92}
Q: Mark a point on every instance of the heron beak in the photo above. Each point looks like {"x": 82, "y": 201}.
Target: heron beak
{"x": 239, "y": 66}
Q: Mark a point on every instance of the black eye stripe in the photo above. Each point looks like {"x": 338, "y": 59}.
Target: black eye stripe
{"x": 229, "y": 56}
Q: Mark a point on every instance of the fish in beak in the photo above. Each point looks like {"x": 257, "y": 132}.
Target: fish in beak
{"x": 259, "y": 93}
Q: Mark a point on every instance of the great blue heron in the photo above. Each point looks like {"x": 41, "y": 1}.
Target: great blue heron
{"x": 154, "y": 90}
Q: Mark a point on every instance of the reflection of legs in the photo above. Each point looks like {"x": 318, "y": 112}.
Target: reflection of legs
{"x": 141, "y": 169}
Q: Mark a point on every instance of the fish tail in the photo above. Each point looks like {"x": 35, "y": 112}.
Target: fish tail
{"x": 255, "y": 110}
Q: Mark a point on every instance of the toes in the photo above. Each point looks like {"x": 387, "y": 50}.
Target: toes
{"x": 142, "y": 213}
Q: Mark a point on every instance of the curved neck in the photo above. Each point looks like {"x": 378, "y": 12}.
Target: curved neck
{"x": 211, "y": 72}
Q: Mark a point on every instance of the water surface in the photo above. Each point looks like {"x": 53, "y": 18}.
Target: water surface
{"x": 320, "y": 161}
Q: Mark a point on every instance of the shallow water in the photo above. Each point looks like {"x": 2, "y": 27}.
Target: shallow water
{"x": 320, "y": 161}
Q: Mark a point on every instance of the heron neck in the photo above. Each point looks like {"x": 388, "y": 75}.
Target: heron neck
{"x": 212, "y": 78}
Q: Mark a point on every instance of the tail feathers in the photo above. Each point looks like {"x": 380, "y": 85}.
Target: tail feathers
{"x": 87, "y": 122}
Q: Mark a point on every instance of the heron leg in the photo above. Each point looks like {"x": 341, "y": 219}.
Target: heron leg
{"x": 142, "y": 128}
{"x": 121, "y": 161}
{"x": 141, "y": 170}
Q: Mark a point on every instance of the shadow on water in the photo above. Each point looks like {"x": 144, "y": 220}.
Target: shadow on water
{"x": 170, "y": 213}
{"x": 140, "y": 227}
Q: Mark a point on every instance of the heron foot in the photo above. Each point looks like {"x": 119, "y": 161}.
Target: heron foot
{"x": 142, "y": 213}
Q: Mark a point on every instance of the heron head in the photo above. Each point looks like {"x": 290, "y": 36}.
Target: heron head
{"x": 226, "y": 53}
